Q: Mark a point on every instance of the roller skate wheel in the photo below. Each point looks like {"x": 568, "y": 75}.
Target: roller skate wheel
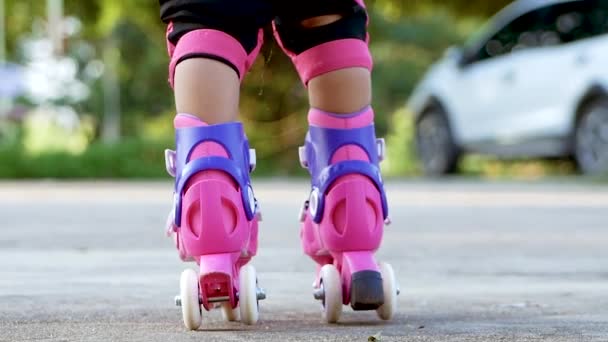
{"x": 189, "y": 295}
{"x": 331, "y": 289}
{"x": 390, "y": 289}
{"x": 229, "y": 313}
{"x": 248, "y": 298}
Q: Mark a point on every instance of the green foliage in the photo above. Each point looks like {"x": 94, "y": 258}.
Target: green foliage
{"x": 273, "y": 102}
{"x": 401, "y": 156}
{"x": 406, "y": 38}
{"x": 602, "y": 179}
{"x": 400, "y": 8}
{"x": 131, "y": 158}
{"x": 526, "y": 169}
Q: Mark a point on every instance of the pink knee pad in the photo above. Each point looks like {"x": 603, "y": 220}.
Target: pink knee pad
{"x": 332, "y": 56}
{"x": 212, "y": 43}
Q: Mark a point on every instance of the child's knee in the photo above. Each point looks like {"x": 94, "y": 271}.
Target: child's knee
{"x": 227, "y": 31}
{"x": 217, "y": 45}
{"x": 320, "y": 20}
{"x": 327, "y": 42}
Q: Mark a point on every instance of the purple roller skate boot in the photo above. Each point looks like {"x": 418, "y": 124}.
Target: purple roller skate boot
{"x": 344, "y": 216}
{"x": 214, "y": 220}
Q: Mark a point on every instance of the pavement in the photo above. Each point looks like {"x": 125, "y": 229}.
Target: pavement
{"x": 476, "y": 261}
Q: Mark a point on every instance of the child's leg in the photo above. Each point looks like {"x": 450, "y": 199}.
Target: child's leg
{"x": 208, "y": 89}
{"x": 212, "y": 44}
{"x": 344, "y": 216}
{"x": 342, "y": 91}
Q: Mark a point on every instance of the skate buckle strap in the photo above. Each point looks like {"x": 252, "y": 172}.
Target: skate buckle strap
{"x": 240, "y": 162}
{"x": 170, "y": 162}
{"x": 321, "y": 145}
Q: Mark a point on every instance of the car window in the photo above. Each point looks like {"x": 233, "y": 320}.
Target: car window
{"x": 547, "y": 26}
{"x": 517, "y": 35}
{"x": 580, "y": 20}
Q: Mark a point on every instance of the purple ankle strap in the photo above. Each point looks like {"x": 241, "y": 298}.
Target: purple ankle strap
{"x": 322, "y": 144}
{"x": 231, "y": 137}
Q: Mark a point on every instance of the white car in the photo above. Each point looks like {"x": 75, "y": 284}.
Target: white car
{"x": 532, "y": 83}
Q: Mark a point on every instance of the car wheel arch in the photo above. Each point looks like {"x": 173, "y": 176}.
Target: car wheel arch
{"x": 596, "y": 97}
{"x": 450, "y": 148}
{"x": 435, "y": 103}
{"x": 594, "y": 93}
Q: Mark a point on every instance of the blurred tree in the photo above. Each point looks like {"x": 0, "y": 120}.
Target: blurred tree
{"x": 407, "y": 36}
{"x": 397, "y": 8}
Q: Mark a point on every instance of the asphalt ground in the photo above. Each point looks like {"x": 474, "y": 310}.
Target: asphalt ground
{"x": 475, "y": 261}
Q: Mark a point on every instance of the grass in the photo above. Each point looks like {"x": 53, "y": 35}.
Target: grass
{"x": 131, "y": 158}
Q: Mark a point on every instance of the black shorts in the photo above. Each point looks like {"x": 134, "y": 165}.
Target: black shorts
{"x": 243, "y": 18}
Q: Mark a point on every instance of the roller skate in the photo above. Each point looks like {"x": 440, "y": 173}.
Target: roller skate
{"x": 344, "y": 217}
{"x": 214, "y": 220}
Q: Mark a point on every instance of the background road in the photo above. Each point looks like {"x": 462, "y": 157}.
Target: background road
{"x": 475, "y": 262}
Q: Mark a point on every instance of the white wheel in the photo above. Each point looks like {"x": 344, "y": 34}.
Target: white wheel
{"x": 389, "y": 287}
{"x": 248, "y": 296}
{"x": 332, "y": 293}
{"x": 229, "y": 313}
{"x": 191, "y": 306}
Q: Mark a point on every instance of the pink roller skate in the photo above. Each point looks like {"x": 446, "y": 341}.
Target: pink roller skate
{"x": 343, "y": 218}
{"x": 215, "y": 219}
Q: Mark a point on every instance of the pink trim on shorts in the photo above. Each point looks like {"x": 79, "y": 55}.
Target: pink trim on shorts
{"x": 361, "y": 3}
{"x": 254, "y": 54}
{"x": 170, "y": 46}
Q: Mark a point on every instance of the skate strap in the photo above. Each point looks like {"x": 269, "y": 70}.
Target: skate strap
{"x": 231, "y": 137}
{"x": 326, "y": 141}
{"x": 331, "y": 173}
{"x": 322, "y": 144}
